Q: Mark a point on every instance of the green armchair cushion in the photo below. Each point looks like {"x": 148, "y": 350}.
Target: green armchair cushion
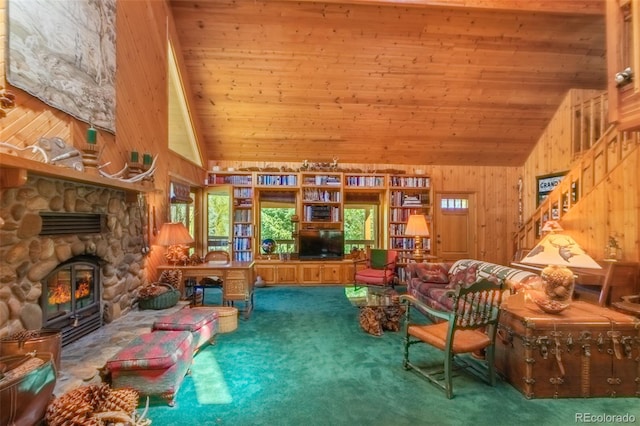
{"x": 378, "y": 258}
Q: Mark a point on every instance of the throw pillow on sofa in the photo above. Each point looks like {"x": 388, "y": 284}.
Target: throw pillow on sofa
{"x": 463, "y": 277}
{"x": 431, "y": 272}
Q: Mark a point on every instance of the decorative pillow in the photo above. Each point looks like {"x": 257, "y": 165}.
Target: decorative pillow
{"x": 378, "y": 258}
{"x": 431, "y": 272}
{"x": 463, "y": 277}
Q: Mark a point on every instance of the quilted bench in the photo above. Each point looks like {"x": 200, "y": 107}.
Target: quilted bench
{"x": 153, "y": 363}
{"x": 201, "y": 322}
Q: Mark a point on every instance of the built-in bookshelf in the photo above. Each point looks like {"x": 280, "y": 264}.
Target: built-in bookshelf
{"x": 322, "y": 199}
{"x": 407, "y": 195}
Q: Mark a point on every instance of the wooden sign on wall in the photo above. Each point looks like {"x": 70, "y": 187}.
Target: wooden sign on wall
{"x": 545, "y": 184}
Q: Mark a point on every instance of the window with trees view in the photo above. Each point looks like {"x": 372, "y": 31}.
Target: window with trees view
{"x": 360, "y": 226}
{"x": 181, "y": 208}
{"x": 218, "y": 219}
{"x": 275, "y": 211}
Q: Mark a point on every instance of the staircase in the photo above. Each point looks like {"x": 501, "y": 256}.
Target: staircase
{"x": 598, "y": 155}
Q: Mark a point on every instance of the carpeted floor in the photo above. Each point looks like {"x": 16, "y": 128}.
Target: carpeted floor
{"x": 302, "y": 359}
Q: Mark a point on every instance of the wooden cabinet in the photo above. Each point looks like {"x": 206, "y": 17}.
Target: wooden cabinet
{"x": 309, "y": 273}
{"x": 286, "y": 273}
{"x": 322, "y": 272}
{"x": 266, "y": 271}
{"x": 331, "y": 273}
{"x": 276, "y": 272}
{"x": 407, "y": 195}
{"x": 623, "y": 63}
{"x": 305, "y": 272}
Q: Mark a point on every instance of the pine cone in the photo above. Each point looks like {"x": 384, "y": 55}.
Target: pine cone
{"x": 125, "y": 400}
{"x": 76, "y": 406}
{"x": 173, "y": 277}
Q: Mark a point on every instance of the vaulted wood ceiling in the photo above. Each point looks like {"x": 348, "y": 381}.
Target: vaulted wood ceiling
{"x": 448, "y": 82}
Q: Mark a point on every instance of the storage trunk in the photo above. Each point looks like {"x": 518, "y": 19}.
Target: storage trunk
{"x": 585, "y": 351}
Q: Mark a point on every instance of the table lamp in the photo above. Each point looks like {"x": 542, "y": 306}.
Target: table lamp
{"x": 559, "y": 252}
{"x": 417, "y": 227}
{"x": 175, "y": 237}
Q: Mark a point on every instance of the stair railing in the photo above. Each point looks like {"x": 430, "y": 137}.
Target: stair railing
{"x": 590, "y": 169}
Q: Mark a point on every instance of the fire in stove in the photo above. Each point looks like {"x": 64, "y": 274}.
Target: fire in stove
{"x": 60, "y": 292}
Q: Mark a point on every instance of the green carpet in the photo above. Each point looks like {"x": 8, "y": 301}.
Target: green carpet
{"x": 302, "y": 359}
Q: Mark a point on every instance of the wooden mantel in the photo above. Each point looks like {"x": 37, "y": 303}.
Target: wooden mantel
{"x": 14, "y": 171}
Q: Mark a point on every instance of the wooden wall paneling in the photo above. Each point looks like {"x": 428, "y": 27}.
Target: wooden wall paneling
{"x": 3, "y": 39}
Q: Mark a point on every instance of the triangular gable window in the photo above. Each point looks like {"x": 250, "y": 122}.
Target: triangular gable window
{"x": 182, "y": 137}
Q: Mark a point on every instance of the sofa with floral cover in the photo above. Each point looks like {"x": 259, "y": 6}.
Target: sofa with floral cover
{"x": 435, "y": 283}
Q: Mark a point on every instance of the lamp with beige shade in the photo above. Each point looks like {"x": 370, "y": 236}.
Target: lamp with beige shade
{"x": 176, "y": 237}
{"x": 418, "y": 228}
{"x": 558, "y": 252}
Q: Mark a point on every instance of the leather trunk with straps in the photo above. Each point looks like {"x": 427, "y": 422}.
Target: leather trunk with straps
{"x": 585, "y": 351}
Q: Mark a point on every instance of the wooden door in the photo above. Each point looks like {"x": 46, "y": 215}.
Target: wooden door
{"x": 454, "y": 226}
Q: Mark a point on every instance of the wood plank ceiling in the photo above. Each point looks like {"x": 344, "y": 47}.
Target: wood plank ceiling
{"x": 448, "y": 82}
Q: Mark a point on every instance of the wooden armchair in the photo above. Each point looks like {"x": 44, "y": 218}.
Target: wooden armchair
{"x": 469, "y": 328}
{"x": 621, "y": 279}
{"x": 379, "y": 268}
{"x": 621, "y": 287}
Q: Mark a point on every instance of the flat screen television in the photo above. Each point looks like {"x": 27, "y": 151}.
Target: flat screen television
{"x": 321, "y": 244}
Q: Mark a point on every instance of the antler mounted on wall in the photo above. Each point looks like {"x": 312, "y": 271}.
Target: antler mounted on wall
{"x": 7, "y": 101}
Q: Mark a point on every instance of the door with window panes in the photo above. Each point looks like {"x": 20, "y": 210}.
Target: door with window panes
{"x": 217, "y": 220}
{"x": 455, "y": 225}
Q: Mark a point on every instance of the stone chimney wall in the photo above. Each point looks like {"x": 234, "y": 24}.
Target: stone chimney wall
{"x": 26, "y": 257}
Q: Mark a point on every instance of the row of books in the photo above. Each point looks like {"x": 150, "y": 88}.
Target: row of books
{"x": 242, "y": 230}
{"x": 410, "y": 181}
{"x": 321, "y": 195}
{"x": 275, "y": 180}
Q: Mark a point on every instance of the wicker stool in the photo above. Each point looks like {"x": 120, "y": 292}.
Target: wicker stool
{"x": 201, "y": 322}
{"x": 227, "y": 317}
{"x": 153, "y": 363}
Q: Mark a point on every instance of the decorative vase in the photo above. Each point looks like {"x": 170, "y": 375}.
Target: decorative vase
{"x": 558, "y": 283}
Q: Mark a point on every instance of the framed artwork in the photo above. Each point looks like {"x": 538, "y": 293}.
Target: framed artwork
{"x": 547, "y": 183}
{"x": 64, "y": 53}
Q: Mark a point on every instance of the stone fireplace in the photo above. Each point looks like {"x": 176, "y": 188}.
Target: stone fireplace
{"x": 33, "y": 259}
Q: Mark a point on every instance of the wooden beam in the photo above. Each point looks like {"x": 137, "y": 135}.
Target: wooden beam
{"x": 572, "y": 7}
{"x": 12, "y": 178}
